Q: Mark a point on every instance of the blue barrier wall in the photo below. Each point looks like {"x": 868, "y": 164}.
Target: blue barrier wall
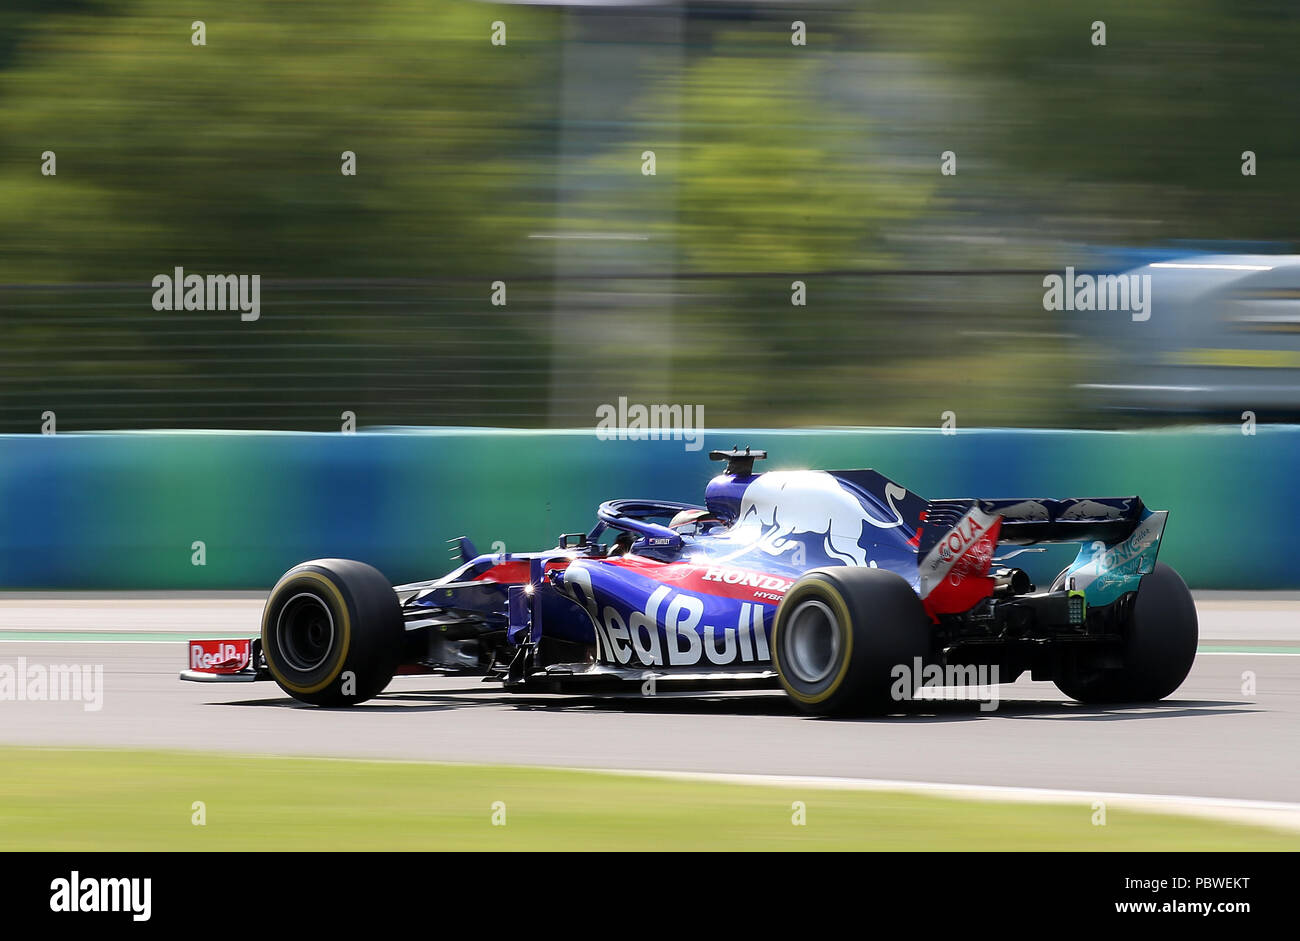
{"x": 124, "y": 510}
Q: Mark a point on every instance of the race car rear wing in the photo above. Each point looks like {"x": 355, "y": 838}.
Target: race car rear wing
{"x": 1119, "y": 539}
{"x": 1029, "y": 521}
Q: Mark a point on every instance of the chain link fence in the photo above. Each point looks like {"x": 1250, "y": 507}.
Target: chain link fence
{"x": 887, "y": 348}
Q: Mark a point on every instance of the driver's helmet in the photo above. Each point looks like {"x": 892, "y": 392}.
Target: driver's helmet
{"x": 692, "y": 521}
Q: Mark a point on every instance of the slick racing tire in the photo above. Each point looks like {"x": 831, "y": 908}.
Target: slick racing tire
{"x": 1160, "y": 636}
{"x": 332, "y": 632}
{"x": 840, "y": 633}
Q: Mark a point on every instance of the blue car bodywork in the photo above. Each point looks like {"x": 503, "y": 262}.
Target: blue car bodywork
{"x": 635, "y": 596}
{"x": 694, "y": 595}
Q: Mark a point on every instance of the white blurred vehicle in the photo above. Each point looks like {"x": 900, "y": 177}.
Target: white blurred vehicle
{"x": 1223, "y": 336}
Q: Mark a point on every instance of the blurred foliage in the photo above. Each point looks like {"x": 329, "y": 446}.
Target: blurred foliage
{"x": 760, "y": 175}
{"x": 227, "y": 156}
{"x": 471, "y": 157}
{"x": 1140, "y": 139}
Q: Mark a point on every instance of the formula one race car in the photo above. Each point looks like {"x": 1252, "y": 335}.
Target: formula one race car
{"x": 840, "y": 586}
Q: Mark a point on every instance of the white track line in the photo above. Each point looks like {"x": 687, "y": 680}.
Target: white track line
{"x": 1276, "y": 814}
{"x": 1245, "y": 653}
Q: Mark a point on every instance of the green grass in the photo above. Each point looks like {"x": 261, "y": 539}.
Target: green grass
{"x": 136, "y": 800}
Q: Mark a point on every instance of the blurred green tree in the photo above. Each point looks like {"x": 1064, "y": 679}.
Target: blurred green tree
{"x": 1138, "y": 140}
{"x": 227, "y": 156}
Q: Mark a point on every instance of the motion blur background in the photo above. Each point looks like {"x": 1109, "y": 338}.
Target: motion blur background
{"x": 221, "y": 464}
{"x": 522, "y": 163}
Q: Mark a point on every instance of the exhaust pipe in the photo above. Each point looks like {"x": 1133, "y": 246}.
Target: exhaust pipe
{"x": 1008, "y": 582}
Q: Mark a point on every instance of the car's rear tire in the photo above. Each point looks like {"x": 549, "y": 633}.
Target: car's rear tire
{"x": 840, "y": 633}
{"x": 1159, "y": 646}
{"x": 332, "y": 632}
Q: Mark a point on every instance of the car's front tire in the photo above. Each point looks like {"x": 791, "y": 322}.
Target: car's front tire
{"x": 332, "y": 632}
{"x": 840, "y": 634}
{"x": 1160, "y": 636}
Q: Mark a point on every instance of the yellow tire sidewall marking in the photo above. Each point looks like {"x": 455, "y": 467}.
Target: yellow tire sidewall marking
{"x": 830, "y": 594}
{"x": 333, "y": 590}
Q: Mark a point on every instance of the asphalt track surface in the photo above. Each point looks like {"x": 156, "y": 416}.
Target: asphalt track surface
{"x": 1215, "y": 737}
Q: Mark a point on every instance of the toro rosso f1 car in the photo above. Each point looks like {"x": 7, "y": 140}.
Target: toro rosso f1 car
{"x": 830, "y": 584}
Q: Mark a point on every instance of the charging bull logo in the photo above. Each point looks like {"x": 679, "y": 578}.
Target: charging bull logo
{"x": 782, "y": 511}
{"x": 1092, "y": 510}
